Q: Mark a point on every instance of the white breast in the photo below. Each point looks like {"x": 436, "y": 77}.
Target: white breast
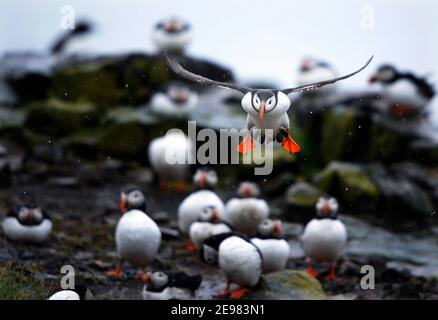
{"x": 65, "y": 295}
{"x": 245, "y": 215}
{"x": 324, "y": 239}
{"x": 171, "y": 41}
{"x": 241, "y": 261}
{"x": 275, "y": 253}
{"x": 18, "y": 232}
{"x": 200, "y": 231}
{"x": 138, "y": 238}
{"x": 189, "y": 209}
{"x": 175, "y": 147}
{"x": 405, "y": 93}
{"x": 162, "y": 104}
{"x": 166, "y": 294}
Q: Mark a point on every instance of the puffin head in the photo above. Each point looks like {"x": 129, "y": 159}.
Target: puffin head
{"x": 248, "y": 189}
{"x": 262, "y": 102}
{"x": 327, "y": 208}
{"x": 209, "y": 214}
{"x": 270, "y": 228}
{"x": 132, "y": 199}
{"x": 205, "y": 178}
{"x": 179, "y": 95}
{"x": 385, "y": 74}
{"x": 29, "y": 215}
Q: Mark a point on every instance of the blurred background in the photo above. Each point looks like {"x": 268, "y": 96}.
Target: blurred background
{"x": 80, "y": 108}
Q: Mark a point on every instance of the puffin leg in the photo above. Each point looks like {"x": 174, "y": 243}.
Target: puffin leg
{"x": 332, "y": 274}
{"x": 310, "y": 269}
{"x": 289, "y": 144}
{"x": 117, "y": 273}
{"x": 190, "y": 247}
{"x": 239, "y": 293}
{"x": 181, "y": 186}
{"x": 225, "y": 292}
{"x": 247, "y": 144}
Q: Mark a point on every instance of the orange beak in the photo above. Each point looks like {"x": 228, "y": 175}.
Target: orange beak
{"x": 216, "y": 216}
{"x": 246, "y": 192}
{"x": 123, "y": 203}
{"x": 262, "y": 111}
{"x": 30, "y": 215}
{"x": 278, "y": 229}
{"x": 203, "y": 180}
{"x": 326, "y": 209}
{"x": 146, "y": 278}
{"x": 372, "y": 79}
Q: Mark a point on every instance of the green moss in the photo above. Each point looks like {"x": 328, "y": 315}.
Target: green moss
{"x": 387, "y": 145}
{"x": 308, "y": 285}
{"x": 303, "y": 194}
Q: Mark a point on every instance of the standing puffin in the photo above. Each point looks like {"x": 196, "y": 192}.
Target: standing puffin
{"x": 172, "y": 34}
{"x": 406, "y": 92}
{"x": 27, "y": 223}
{"x": 246, "y": 211}
{"x": 165, "y": 285}
{"x": 169, "y": 157}
{"x": 312, "y": 70}
{"x": 266, "y": 108}
{"x": 325, "y": 237}
{"x": 81, "y": 292}
{"x": 177, "y": 101}
{"x": 275, "y": 251}
{"x": 209, "y": 223}
{"x": 189, "y": 209}
{"x": 239, "y": 259}
{"x": 137, "y": 236}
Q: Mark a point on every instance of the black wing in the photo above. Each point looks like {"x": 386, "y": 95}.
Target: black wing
{"x": 316, "y": 85}
{"x": 179, "y": 70}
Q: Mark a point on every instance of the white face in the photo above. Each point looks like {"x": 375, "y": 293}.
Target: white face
{"x": 327, "y": 207}
{"x": 30, "y": 215}
{"x": 208, "y": 214}
{"x": 135, "y": 199}
{"x": 158, "y": 279}
{"x": 248, "y": 189}
{"x": 386, "y": 75}
{"x": 205, "y": 178}
{"x": 262, "y": 105}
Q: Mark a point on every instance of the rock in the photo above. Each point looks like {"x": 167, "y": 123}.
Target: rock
{"x": 63, "y": 182}
{"x": 288, "y": 285}
{"x": 303, "y": 196}
{"x": 5, "y": 174}
{"x": 351, "y": 184}
{"x": 278, "y": 185}
{"x": 11, "y": 118}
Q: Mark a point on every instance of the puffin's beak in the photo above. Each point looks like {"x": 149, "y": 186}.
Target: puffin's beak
{"x": 216, "y": 216}
{"x": 372, "y": 79}
{"x": 30, "y": 215}
{"x": 278, "y": 227}
{"x": 246, "y": 192}
{"x": 123, "y": 202}
{"x": 262, "y": 111}
{"x": 146, "y": 277}
{"x": 326, "y": 209}
{"x": 203, "y": 180}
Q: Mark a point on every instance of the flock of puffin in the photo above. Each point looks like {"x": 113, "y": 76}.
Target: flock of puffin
{"x": 237, "y": 237}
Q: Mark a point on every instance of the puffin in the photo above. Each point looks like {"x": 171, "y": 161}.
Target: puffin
{"x": 169, "y": 157}
{"x": 209, "y": 223}
{"x": 205, "y": 179}
{"x": 246, "y": 211}
{"x": 238, "y": 258}
{"x": 266, "y": 108}
{"x": 172, "y": 34}
{"x": 406, "y": 92}
{"x": 274, "y": 249}
{"x": 27, "y": 223}
{"x": 166, "y": 285}
{"x": 81, "y": 292}
{"x": 137, "y": 236}
{"x": 177, "y": 101}
{"x": 324, "y": 237}
{"x": 313, "y": 70}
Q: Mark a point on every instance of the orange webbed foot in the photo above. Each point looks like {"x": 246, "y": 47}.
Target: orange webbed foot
{"x": 114, "y": 273}
{"x": 239, "y": 294}
{"x": 290, "y": 145}
{"x": 190, "y": 247}
{"x": 312, "y": 272}
{"x": 246, "y": 146}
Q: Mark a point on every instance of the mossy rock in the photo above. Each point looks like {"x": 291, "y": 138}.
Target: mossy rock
{"x": 288, "y": 285}
{"x": 303, "y": 196}
{"x": 387, "y": 145}
{"x": 11, "y": 118}
{"x": 350, "y": 183}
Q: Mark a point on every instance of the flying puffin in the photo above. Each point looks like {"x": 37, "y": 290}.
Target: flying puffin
{"x": 266, "y": 108}
{"x": 137, "y": 236}
{"x": 406, "y": 92}
{"x": 27, "y": 223}
{"x": 165, "y": 285}
{"x": 245, "y": 212}
{"x": 324, "y": 237}
{"x": 209, "y": 223}
{"x": 312, "y": 70}
{"x": 169, "y": 157}
{"x": 239, "y": 259}
{"x": 172, "y": 34}
{"x": 177, "y": 101}
{"x": 275, "y": 250}
{"x": 81, "y": 292}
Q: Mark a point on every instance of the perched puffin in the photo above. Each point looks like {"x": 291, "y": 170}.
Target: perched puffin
{"x": 325, "y": 237}
{"x": 177, "y": 101}
{"x": 406, "y": 92}
{"x": 239, "y": 259}
{"x": 137, "y": 236}
{"x": 266, "y": 108}
{"x": 81, "y": 292}
{"x": 164, "y": 285}
{"x": 209, "y": 223}
{"x": 188, "y": 211}
{"x": 170, "y": 157}
{"x": 312, "y": 70}
{"x": 275, "y": 251}
{"x": 172, "y": 34}
{"x": 27, "y": 223}
{"x": 245, "y": 212}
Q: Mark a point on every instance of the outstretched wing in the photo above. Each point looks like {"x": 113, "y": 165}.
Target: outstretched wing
{"x": 316, "y": 85}
{"x": 179, "y": 70}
